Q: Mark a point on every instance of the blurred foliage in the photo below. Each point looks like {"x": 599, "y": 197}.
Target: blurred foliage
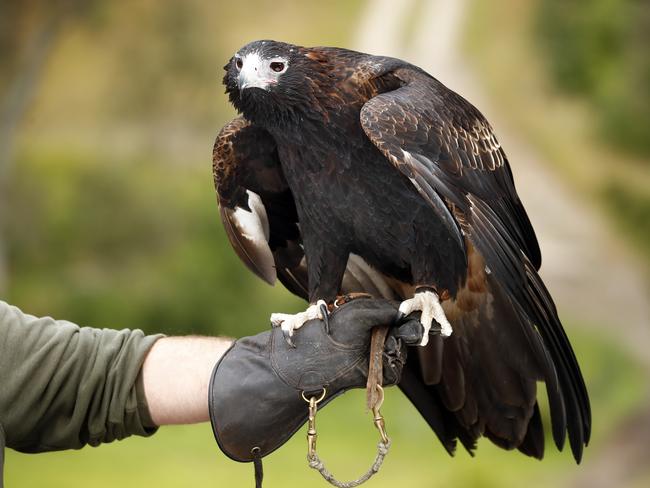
{"x": 25, "y": 23}
{"x": 630, "y": 208}
{"x": 599, "y": 49}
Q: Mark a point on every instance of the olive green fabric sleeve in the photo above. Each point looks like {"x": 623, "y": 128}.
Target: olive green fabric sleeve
{"x": 63, "y": 386}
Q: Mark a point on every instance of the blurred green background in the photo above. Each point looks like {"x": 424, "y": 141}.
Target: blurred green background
{"x": 108, "y": 218}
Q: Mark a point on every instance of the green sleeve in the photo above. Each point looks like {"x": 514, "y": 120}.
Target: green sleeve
{"x": 63, "y": 386}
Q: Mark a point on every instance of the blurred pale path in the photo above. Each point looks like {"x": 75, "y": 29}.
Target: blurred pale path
{"x": 589, "y": 270}
{"x": 591, "y": 273}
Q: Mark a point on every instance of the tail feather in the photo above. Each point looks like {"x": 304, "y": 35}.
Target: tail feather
{"x": 488, "y": 377}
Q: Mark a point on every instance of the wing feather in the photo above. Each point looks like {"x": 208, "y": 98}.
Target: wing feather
{"x": 245, "y": 231}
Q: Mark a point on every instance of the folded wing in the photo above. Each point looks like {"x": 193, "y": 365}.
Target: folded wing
{"x": 507, "y": 334}
{"x": 256, "y": 204}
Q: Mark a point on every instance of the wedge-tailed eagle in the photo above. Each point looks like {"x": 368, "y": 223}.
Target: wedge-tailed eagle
{"x": 347, "y": 172}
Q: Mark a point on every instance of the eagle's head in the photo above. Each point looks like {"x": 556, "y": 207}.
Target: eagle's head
{"x": 273, "y": 82}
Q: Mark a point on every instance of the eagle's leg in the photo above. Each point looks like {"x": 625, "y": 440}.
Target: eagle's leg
{"x": 325, "y": 270}
{"x": 427, "y": 301}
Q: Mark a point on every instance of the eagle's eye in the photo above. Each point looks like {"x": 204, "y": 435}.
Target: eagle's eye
{"x": 277, "y": 66}
{"x": 239, "y": 63}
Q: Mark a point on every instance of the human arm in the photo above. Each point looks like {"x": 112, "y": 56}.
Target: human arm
{"x": 63, "y": 386}
{"x": 175, "y": 376}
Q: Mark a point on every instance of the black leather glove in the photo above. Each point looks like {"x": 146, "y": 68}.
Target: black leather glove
{"x": 255, "y": 395}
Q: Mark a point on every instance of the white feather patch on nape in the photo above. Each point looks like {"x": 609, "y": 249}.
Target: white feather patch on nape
{"x": 254, "y": 225}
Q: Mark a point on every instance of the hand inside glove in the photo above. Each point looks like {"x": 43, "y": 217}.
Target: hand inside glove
{"x": 256, "y": 391}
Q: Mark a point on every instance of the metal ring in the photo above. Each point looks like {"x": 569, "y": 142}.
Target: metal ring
{"x": 317, "y": 401}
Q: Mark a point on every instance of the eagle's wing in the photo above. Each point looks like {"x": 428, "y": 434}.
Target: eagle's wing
{"x": 260, "y": 217}
{"x": 507, "y": 334}
{"x": 256, "y": 205}
{"x": 447, "y": 148}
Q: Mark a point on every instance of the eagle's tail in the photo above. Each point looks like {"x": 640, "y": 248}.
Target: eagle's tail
{"x": 480, "y": 381}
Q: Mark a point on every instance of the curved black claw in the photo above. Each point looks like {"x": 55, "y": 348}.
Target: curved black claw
{"x": 287, "y": 338}
{"x": 326, "y": 317}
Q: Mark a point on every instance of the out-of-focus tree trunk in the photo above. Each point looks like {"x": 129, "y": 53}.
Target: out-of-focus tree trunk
{"x": 13, "y": 106}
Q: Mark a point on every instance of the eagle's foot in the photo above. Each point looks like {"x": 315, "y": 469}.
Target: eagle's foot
{"x": 428, "y": 303}
{"x": 289, "y": 323}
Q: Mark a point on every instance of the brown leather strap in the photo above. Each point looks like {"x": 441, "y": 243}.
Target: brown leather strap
{"x": 343, "y": 299}
{"x": 375, "y": 366}
{"x": 259, "y": 470}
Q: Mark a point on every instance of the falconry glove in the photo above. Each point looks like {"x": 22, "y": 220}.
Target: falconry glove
{"x": 259, "y": 387}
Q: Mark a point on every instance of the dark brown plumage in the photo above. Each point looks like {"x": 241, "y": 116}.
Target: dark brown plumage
{"x": 349, "y": 172}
